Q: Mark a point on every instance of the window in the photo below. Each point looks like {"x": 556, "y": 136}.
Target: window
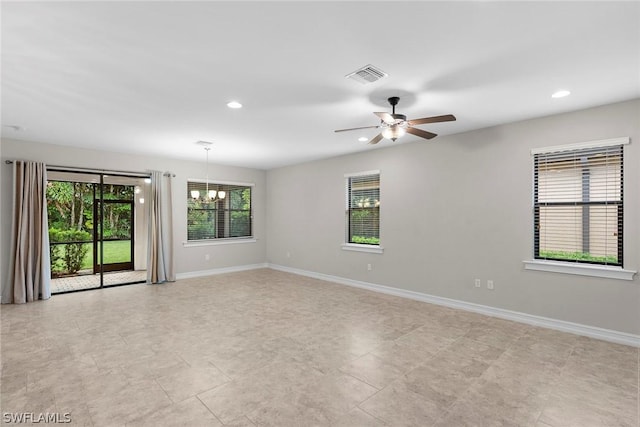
{"x": 578, "y": 203}
{"x": 363, "y": 208}
{"x": 226, "y": 213}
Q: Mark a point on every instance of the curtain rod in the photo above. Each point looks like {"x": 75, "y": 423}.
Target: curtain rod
{"x": 103, "y": 171}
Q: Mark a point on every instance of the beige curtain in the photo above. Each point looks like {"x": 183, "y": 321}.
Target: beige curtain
{"x": 160, "y": 251}
{"x": 29, "y": 275}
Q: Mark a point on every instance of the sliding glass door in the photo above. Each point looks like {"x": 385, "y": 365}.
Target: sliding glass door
{"x": 97, "y": 230}
{"x": 113, "y": 241}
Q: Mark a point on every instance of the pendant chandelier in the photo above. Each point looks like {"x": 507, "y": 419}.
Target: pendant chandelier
{"x": 209, "y": 195}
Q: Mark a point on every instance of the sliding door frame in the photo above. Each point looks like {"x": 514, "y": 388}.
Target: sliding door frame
{"x": 98, "y": 240}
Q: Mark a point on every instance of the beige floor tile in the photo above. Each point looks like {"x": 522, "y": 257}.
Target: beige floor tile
{"x": 235, "y": 399}
{"x": 283, "y": 377}
{"x": 190, "y": 412}
{"x": 396, "y": 405}
{"x": 402, "y": 354}
{"x": 551, "y": 336}
{"x": 13, "y": 383}
{"x": 373, "y": 370}
{"x": 521, "y": 379}
{"x": 594, "y": 346}
{"x": 396, "y": 325}
{"x": 325, "y": 402}
{"x": 186, "y": 382}
{"x": 133, "y": 401}
{"x": 535, "y": 349}
{"x": 490, "y": 404}
{"x": 154, "y": 366}
{"x": 297, "y": 409}
{"x": 607, "y": 374}
{"x": 429, "y": 339}
{"x": 336, "y": 394}
{"x": 598, "y": 354}
{"x": 240, "y": 363}
{"x": 272, "y": 348}
{"x": 596, "y": 395}
{"x": 444, "y": 380}
{"x": 575, "y": 413}
{"x": 79, "y": 415}
{"x": 357, "y": 418}
{"x": 240, "y": 422}
{"x": 36, "y": 401}
{"x": 466, "y": 348}
{"x": 501, "y": 335}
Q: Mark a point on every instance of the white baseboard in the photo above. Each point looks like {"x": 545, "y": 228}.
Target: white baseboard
{"x": 222, "y": 270}
{"x": 560, "y": 325}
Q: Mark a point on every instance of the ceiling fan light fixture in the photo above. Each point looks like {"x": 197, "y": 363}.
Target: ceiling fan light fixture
{"x": 393, "y": 132}
{"x": 392, "y": 125}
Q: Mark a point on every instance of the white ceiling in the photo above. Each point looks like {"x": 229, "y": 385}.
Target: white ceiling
{"x": 155, "y": 77}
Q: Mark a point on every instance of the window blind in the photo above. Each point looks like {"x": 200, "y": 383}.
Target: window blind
{"x": 578, "y": 205}
{"x": 363, "y": 209}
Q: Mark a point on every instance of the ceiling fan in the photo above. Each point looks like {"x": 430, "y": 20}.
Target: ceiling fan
{"x": 395, "y": 125}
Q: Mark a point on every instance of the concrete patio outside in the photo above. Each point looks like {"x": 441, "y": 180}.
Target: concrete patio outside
{"x": 91, "y": 281}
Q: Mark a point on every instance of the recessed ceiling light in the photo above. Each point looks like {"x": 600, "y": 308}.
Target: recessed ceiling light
{"x": 234, "y": 104}
{"x": 363, "y": 139}
{"x": 561, "y": 94}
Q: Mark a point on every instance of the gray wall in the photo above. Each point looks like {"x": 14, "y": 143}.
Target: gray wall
{"x": 453, "y": 209}
{"x": 459, "y": 208}
{"x": 190, "y": 259}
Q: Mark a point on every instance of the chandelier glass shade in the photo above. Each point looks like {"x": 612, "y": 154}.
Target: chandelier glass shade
{"x": 394, "y": 131}
{"x": 209, "y": 195}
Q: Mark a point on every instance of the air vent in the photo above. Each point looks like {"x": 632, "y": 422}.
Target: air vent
{"x": 367, "y": 74}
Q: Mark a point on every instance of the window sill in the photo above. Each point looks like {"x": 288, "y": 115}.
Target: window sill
{"x": 216, "y": 242}
{"x": 372, "y": 249}
{"x": 579, "y": 269}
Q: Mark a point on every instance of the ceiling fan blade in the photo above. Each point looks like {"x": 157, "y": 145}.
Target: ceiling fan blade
{"x": 434, "y": 119}
{"x": 385, "y": 117}
{"x": 421, "y": 133}
{"x": 366, "y": 127}
{"x": 377, "y": 139}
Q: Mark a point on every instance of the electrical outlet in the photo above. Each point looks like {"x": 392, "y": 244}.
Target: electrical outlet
{"x": 368, "y": 267}
{"x": 478, "y": 283}
{"x": 207, "y": 257}
{"x": 288, "y": 254}
{"x": 490, "y": 284}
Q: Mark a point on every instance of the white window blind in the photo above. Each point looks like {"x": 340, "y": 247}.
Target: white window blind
{"x": 363, "y": 209}
{"x": 578, "y": 205}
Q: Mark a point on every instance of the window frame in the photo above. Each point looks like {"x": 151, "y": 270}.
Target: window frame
{"x": 348, "y": 244}
{"x": 221, "y": 240}
{"x": 572, "y": 266}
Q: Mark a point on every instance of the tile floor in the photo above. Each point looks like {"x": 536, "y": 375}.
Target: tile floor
{"x": 268, "y": 348}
